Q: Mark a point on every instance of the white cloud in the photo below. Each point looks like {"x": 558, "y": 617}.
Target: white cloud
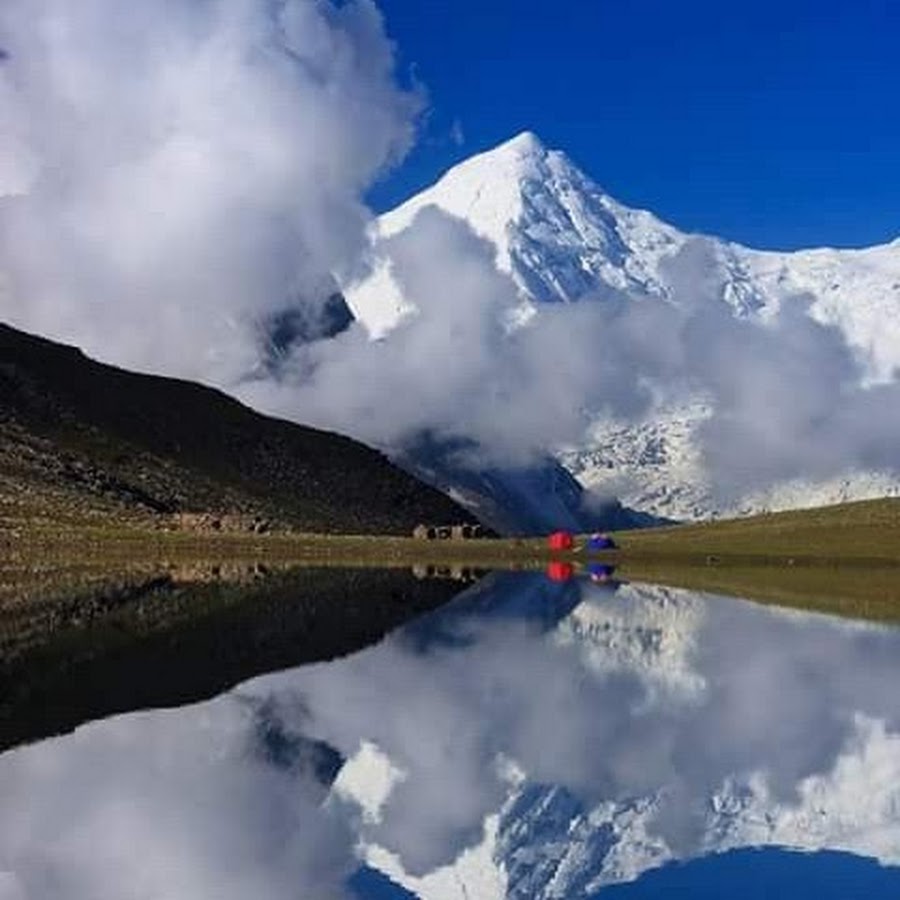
{"x": 182, "y": 168}
{"x": 177, "y": 804}
{"x": 787, "y": 396}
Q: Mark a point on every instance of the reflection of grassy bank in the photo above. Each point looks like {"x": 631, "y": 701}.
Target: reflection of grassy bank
{"x": 852, "y": 591}
{"x": 94, "y": 647}
{"x": 843, "y": 560}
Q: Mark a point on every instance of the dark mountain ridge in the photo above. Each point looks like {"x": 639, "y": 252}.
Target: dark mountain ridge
{"x": 80, "y": 440}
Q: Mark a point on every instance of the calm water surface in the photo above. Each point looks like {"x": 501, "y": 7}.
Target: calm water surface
{"x": 531, "y": 739}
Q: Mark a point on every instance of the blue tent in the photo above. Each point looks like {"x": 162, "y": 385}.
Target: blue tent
{"x": 601, "y": 542}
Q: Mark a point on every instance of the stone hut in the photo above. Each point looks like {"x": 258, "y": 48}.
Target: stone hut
{"x": 447, "y": 532}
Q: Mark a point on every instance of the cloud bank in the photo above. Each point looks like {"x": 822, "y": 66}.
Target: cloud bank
{"x": 787, "y": 397}
{"x": 177, "y": 804}
{"x": 174, "y": 172}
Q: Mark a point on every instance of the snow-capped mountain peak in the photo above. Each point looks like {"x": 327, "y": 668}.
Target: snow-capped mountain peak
{"x": 563, "y": 238}
{"x": 558, "y": 234}
{"x": 485, "y": 190}
{"x": 524, "y": 144}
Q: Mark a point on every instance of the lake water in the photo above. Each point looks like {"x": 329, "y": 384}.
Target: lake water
{"x": 530, "y": 739}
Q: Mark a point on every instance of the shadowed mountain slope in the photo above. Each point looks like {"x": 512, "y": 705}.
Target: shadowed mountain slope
{"x": 86, "y": 442}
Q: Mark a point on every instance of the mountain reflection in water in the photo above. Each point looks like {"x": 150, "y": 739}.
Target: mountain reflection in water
{"x": 81, "y": 653}
{"x": 532, "y": 739}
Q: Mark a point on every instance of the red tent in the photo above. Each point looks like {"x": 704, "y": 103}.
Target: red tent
{"x": 560, "y": 540}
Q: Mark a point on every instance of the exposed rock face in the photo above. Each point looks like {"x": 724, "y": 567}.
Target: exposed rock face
{"x": 302, "y": 323}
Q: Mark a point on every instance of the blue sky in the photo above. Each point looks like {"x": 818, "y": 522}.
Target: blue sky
{"x": 772, "y": 123}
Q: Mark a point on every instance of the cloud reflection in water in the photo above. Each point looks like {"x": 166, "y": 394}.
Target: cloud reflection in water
{"x": 591, "y": 734}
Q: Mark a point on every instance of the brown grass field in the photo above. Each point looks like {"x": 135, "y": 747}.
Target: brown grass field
{"x": 867, "y": 531}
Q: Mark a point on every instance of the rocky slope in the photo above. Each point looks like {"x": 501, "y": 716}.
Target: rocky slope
{"x": 81, "y": 441}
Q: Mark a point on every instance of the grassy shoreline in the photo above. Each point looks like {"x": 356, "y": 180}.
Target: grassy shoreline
{"x": 863, "y": 533}
{"x": 843, "y": 559}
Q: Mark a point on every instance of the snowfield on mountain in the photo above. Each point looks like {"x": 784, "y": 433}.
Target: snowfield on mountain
{"x": 563, "y": 240}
